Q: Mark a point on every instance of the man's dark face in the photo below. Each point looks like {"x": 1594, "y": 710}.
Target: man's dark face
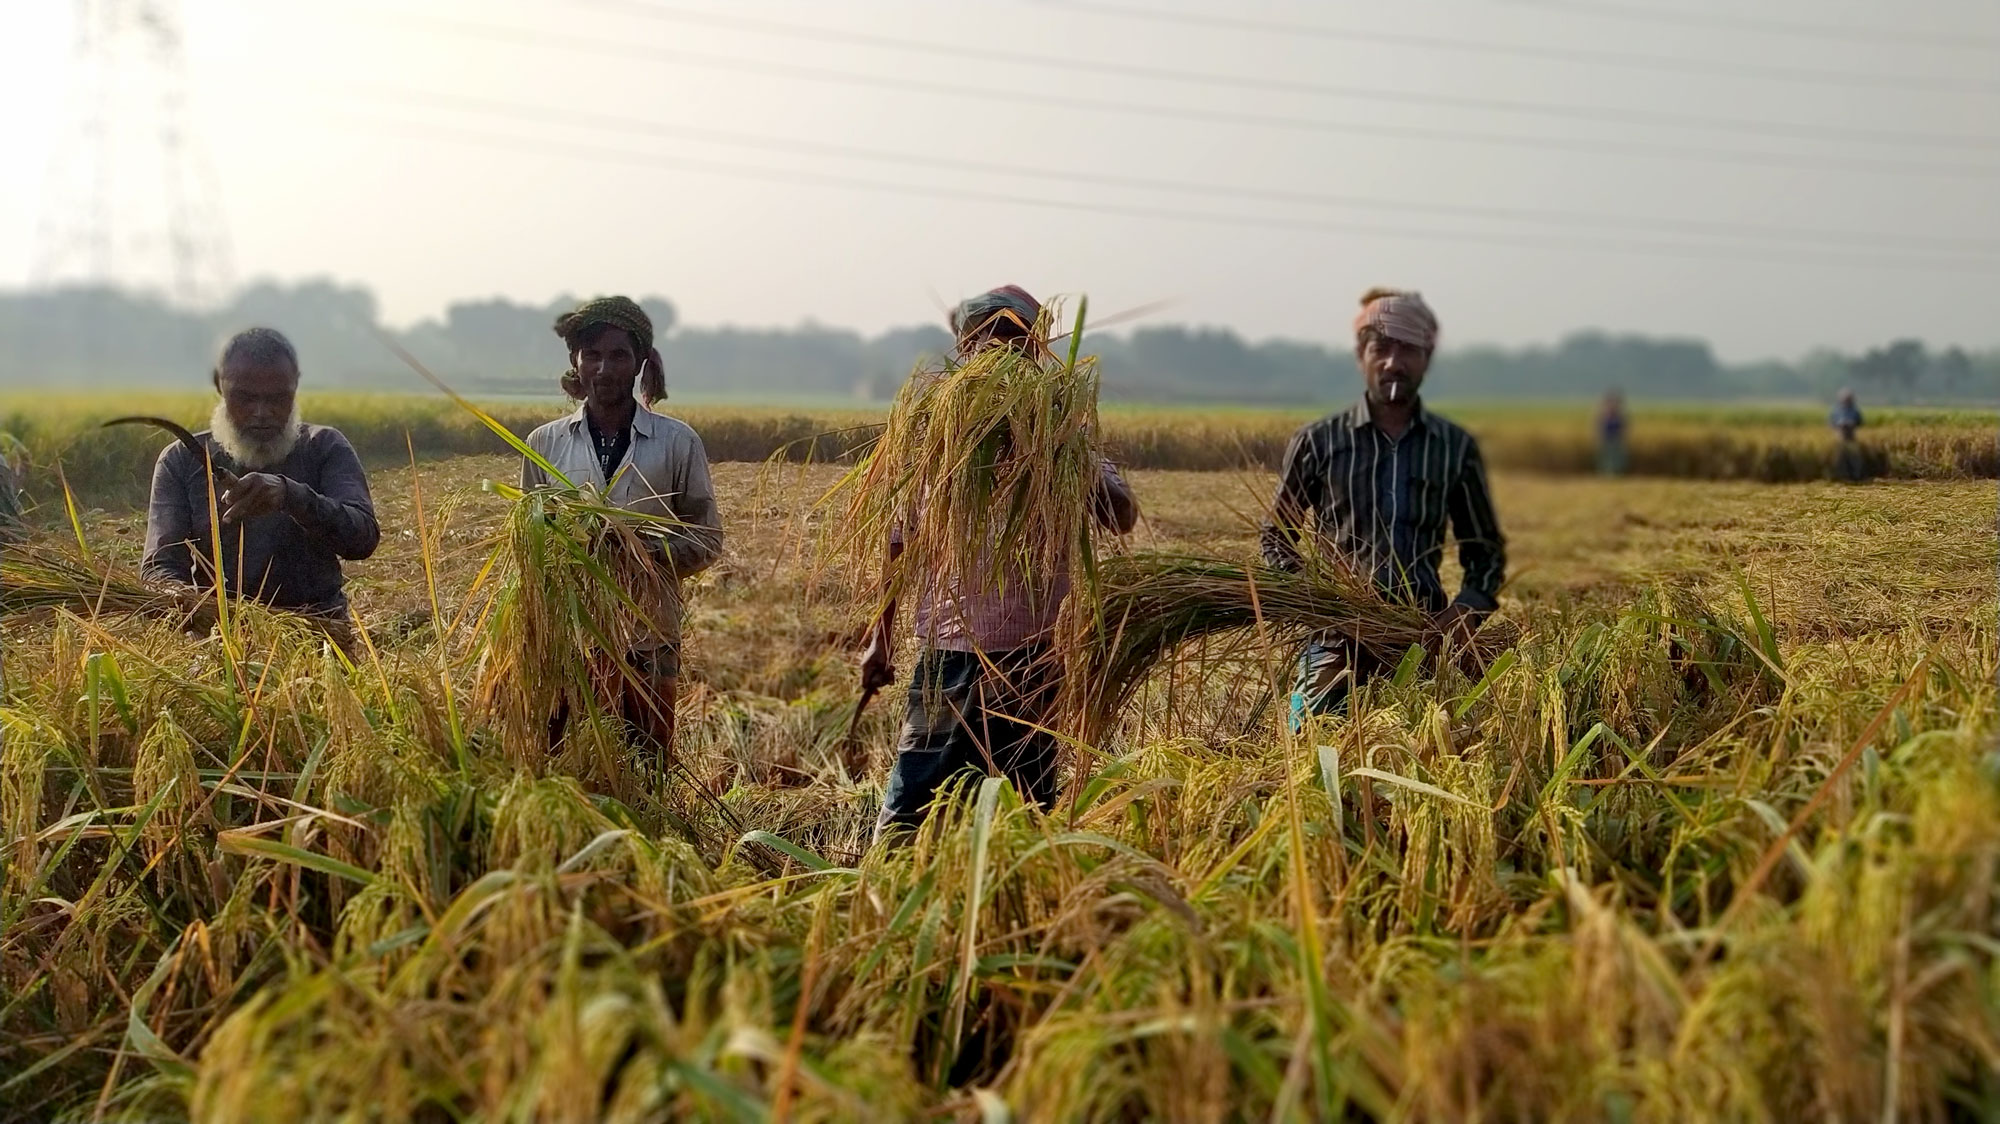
{"x": 258, "y": 396}
{"x": 1394, "y": 369}
{"x": 607, "y": 365}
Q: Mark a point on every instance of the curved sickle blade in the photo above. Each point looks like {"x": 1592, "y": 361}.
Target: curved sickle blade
{"x": 853, "y": 754}
{"x": 180, "y": 433}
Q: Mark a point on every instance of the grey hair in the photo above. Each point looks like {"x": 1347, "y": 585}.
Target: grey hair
{"x": 260, "y": 346}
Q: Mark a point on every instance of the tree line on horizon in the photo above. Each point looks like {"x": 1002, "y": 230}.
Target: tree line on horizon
{"x": 83, "y": 338}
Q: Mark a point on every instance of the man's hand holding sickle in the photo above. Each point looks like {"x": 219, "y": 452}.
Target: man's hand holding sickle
{"x": 878, "y": 670}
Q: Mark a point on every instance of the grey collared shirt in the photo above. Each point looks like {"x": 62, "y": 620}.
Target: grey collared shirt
{"x": 1381, "y": 504}
{"x": 665, "y": 473}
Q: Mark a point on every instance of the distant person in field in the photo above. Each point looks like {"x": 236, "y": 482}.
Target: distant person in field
{"x": 1845, "y": 420}
{"x": 1374, "y": 486}
{"x": 646, "y": 462}
{"x": 1611, "y": 456}
{"x": 982, "y": 683}
{"x": 299, "y": 507}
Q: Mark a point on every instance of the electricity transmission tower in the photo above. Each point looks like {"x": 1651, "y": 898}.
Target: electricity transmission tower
{"x": 130, "y": 200}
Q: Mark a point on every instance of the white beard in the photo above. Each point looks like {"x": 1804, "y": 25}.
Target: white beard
{"x": 254, "y": 455}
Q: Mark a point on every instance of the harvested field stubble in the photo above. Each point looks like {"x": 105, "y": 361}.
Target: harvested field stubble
{"x": 1718, "y": 842}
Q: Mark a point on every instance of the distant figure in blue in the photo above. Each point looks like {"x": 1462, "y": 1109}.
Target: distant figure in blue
{"x": 1611, "y": 434}
{"x": 1845, "y": 419}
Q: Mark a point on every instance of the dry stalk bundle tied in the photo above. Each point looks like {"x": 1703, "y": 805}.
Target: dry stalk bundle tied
{"x": 985, "y": 472}
{"x": 1152, "y": 606}
{"x": 582, "y": 583}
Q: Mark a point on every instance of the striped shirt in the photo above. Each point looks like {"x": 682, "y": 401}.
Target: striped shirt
{"x": 1381, "y": 503}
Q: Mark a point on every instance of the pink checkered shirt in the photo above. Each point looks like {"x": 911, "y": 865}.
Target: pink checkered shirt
{"x": 995, "y": 616}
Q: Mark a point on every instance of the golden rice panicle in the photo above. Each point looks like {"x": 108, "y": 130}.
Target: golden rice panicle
{"x": 985, "y": 469}
{"x": 580, "y": 588}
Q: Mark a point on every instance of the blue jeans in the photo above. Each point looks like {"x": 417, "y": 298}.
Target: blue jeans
{"x": 968, "y": 717}
{"x": 1328, "y": 673}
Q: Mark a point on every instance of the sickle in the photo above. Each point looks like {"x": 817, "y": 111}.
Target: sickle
{"x": 186, "y": 439}
{"x": 851, "y": 752}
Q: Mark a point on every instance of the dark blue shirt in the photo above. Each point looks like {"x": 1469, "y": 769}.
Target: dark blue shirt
{"x": 1845, "y": 417}
{"x": 289, "y": 559}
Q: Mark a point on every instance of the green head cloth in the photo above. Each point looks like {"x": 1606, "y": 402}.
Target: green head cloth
{"x": 619, "y": 312}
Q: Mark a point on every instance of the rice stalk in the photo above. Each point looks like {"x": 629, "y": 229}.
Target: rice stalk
{"x": 984, "y": 474}
{"x": 1152, "y": 606}
{"x": 582, "y": 584}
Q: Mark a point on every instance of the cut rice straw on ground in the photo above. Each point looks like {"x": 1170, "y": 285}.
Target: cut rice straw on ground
{"x": 44, "y": 578}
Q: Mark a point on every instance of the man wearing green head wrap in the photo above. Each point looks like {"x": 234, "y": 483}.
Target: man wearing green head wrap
{"x": 645, "y": 462}
{"x": 623, "y": 313}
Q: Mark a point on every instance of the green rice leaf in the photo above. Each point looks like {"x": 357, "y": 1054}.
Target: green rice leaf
{"x": 1414, "y": 785}
{"x": 787, "y": 847}
{"x": 239, "y": 844}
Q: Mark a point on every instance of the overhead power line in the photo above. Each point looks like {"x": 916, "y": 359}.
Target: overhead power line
{"x": 1561, "y": 219}
{"x": 515, "y": 142}
{"x": 1730, "y": 21}
{"x": 131, "y": 198}
{"x": 1610, "y": 115}
{"x": 1892, "y": 166}
{"x": 1629, "y": 60}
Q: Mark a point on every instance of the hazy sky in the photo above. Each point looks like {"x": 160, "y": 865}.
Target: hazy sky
{"x": 1771, "y": 175}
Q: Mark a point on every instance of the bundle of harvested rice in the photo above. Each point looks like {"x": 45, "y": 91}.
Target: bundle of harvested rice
{"x": 36, "y": 577}
{"x": 582, "y": 583}
{"x": 985, "y": 470}
{"x": 1151, "y": 605}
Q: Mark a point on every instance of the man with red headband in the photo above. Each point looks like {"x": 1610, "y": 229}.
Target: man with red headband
{"x": 1374, "y": 485}
{"x": 982, "y": 692}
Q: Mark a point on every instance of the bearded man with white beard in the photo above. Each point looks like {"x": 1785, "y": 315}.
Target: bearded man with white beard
{"x": 299, "y": 504}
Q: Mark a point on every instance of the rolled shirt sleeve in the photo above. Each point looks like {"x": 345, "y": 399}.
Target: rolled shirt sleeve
{"x": 695, "y": 544}
{"x": 1114, "y": 499}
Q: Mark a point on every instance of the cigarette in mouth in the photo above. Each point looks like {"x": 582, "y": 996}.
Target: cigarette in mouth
{"x": 1395, "y": 391}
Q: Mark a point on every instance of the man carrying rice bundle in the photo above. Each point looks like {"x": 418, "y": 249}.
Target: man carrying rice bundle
{"x": 1374, "y": 486}
{"x": 294, "y": 501}
{"x": 984, "y": 685}
{"x": 644, "y": 462}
